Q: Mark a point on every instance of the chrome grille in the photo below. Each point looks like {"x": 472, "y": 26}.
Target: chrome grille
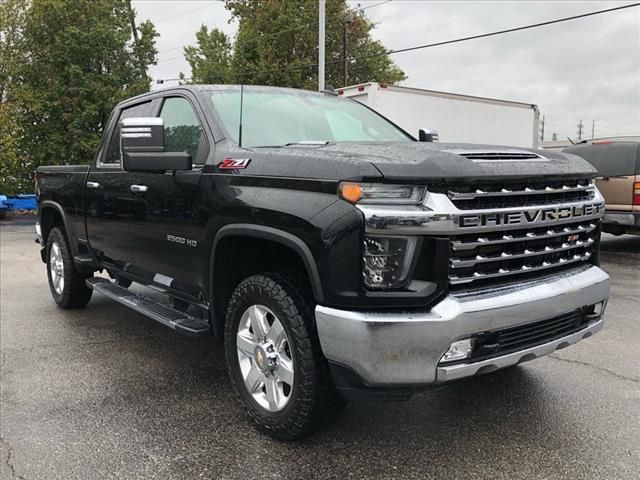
{"x": 522, "y": 194}
{"x": 486, "y": 256}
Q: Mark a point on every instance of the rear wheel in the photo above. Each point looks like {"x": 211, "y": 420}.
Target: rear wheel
{"x": 274, "y": 358}
{"x": 67, "y": 285}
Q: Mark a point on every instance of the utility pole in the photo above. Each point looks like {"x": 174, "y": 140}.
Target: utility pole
{"x": 134, "y": 33}
{"x": 593, "y": 129}
{"x": 542, "y": 130}
{"x": 348, "y": 20}
{"x": 321, "y": 43}
{"x": 580, "y": 128}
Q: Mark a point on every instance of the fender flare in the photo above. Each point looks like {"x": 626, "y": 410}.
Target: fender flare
{"x": 56, "y": 206}
{"x": 275, "y": 235}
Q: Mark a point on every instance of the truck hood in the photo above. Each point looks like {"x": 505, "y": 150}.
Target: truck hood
{"x": 400, "y": 161}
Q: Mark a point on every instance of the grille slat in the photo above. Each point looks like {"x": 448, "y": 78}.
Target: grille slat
{"x": 496, "y": 255}
{"x": 523, "y": 194}
{"x": 527, "y": 235}
{"x": 526, "y": 254}
{"x": 504, "y": 192}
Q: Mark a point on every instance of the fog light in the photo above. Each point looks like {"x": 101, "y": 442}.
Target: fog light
{"x": 597, "y": 310}
{"x": 458, "y": 350}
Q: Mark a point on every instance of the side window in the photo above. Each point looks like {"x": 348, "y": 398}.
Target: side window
{"x": 113, "y": 153}
{"x": 182, "y": 131}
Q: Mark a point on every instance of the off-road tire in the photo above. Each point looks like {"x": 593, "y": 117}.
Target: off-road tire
{"x": 75, "y": 293}
{"x": 314, "y": 401}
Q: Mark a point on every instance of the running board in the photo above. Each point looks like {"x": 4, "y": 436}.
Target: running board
{"x": 175, "y": 319}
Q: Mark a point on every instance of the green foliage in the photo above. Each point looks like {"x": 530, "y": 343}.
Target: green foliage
{"x": 211, "y": 60}
{"x": 277, "y": 44}
{"x": 73, "y": 61}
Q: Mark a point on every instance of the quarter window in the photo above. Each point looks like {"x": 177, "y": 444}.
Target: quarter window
{"x": 182, "y": 130}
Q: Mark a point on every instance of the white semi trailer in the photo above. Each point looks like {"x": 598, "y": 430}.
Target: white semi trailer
{"x": 456, "y": 118}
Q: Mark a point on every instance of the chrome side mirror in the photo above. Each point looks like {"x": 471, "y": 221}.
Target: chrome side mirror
{"x": 427, "y": 135}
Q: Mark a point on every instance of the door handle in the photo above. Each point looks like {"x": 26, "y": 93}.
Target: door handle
{"x": 93, "y": 185}
{"x": 138, "y": 188}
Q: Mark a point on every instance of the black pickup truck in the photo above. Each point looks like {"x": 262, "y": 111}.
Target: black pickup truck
{"x": 336, "y": 255}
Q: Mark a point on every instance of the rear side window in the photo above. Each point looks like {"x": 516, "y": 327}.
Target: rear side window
{"x": 113, "y": 153}
{"x": 182, "y": 130}
{"x": 611, "y": 160}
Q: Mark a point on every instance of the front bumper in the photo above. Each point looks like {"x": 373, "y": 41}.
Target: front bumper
{"x": 627, "y": 220}
{"x": 395, "y": 350}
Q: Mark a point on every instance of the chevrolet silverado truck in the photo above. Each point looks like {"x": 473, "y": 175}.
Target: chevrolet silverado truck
{"x": 336, "y": 255}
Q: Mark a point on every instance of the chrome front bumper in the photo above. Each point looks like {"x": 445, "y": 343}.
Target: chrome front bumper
{"x": 404, "y": 349}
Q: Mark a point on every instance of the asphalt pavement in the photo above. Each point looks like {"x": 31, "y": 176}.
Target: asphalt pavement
{"x": 104, "y": 392}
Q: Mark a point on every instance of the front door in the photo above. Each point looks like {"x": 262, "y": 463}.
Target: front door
{"x": 167, "y": 227}
{"x": 108, "y": 199}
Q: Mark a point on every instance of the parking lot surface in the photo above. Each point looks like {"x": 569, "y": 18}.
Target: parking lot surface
{"x": 104, "y": 392}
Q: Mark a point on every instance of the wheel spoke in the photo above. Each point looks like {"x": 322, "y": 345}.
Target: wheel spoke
{"x": 246, "y": 344}
{"x": 258, "y": 322}
{"x": 254, "y": 379}
{"x": 273, "y": 393}
{"x": 284, "y": 370}
{"x": 276, "y": 333}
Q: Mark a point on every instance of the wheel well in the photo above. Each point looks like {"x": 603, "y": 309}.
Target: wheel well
{"x": 239, "y": 257}
{"x": 50, "y": 218}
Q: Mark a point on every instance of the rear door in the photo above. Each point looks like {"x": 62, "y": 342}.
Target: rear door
{"x": 167, "y": 232}
{"x": 108, "y": 201}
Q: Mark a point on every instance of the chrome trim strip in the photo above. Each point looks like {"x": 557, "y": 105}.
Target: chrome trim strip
{"x": 510, "y": 193}
{"x": 462, "y": 370}
{"x": 453, "y": 280}
{"x": 526, "y": 254}
{"x": 437, "y": 215}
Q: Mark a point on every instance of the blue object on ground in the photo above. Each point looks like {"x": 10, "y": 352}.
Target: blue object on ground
{"x": 18, "y": 202}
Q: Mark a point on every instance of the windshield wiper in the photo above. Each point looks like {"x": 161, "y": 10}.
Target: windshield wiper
{"x": 308, "y": 142}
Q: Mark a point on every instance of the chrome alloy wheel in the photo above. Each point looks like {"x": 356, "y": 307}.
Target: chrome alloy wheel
{"x": 56, "y": 266}
{"x": 265, "y": 358}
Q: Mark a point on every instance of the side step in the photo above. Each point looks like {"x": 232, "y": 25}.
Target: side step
{"x": 179, "y": 321}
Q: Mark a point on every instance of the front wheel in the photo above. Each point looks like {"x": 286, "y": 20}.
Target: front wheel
{"x": 67, "y": 285}
{"x": 274, "y": 358}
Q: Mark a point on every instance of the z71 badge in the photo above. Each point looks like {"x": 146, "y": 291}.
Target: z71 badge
{"x": 233, "y": 163}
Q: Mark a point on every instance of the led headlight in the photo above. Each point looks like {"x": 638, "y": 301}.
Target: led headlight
{"x": 380, "y": 193}
{"x": 387, "y": 260}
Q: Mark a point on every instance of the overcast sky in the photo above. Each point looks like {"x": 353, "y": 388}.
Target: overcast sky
{"x": 585, "y": 69}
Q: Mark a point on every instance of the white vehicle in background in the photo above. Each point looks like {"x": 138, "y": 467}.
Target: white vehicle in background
{"x": 457, "y": 118}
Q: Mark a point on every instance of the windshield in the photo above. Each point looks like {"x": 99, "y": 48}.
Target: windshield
{"x": 278, "y": 118}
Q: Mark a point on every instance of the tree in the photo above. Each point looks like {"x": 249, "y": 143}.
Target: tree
{"x": 277, "y": 44}
{"x": 77, "y": 59}
{"x": 210, "y": 61}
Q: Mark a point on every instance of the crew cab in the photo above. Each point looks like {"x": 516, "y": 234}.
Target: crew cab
{"x": 337, "y": 256}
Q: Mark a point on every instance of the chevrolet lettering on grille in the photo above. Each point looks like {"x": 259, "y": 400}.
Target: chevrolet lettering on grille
{"x": 528, "y": 217}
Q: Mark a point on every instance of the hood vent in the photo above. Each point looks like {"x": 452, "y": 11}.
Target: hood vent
{"x": 485, "y": 156}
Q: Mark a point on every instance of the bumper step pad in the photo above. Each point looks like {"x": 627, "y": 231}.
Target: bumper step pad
{"x": 179, "y": 321}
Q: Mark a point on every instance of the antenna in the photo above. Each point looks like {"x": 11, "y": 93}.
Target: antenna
{"x": 240, "y": 126}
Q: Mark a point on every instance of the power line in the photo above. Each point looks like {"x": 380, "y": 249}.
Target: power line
{"x": 185, "y": 13}
{"x": 292, "y": 29}
{"x": 501, "y": 32}
{"x": 464, "y": 39}
{"x": 447, "y": 42}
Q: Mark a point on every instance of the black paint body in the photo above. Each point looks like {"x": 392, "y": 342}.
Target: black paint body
{"x": 286, "y": 195}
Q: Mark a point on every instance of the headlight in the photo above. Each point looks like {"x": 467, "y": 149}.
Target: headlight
{"x": 381, "y": 193}
{"x": 387, "y": 260}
